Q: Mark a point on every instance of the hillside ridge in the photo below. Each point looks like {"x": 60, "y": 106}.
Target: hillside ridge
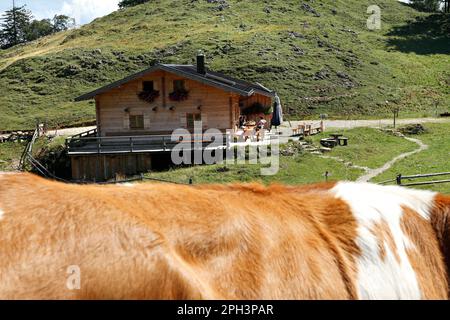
{"x": 318, "y": 55}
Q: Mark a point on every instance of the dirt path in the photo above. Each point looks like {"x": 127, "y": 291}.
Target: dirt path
{"x": 372, "y": 173}
{"x": 286, "y": 128}
{"x": 350, "y": 124}
{"x": 69, "y": 131}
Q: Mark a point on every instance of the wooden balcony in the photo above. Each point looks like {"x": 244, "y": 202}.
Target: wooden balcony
{"x": 88, "y": 145}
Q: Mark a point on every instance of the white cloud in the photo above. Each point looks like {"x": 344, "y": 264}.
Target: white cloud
{"x": 85, "y": 11}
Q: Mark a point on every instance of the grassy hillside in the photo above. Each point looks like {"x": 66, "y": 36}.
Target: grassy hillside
{"x": 368, "y": 147}
{"x": 433, "y": 160}
{"x": 318, "y": 55}
{"x": 10, "y": 153}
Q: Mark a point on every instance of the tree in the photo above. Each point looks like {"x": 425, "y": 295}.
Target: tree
{"x": 45, "y": 27}
{"x": 15, "y": 26}
{"x": 131, "y": 3}
{"x": 39, "y": 28}
{"x": 18, "y": 26}
{"x": 427, "y": 5}
{"x": 446, "y": 6}
{"x": 62, "y": 22}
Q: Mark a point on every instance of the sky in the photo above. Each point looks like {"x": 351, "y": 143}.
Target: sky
{"x": 84, "y": 11}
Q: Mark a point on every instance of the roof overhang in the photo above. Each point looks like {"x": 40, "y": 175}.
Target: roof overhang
{"x": 211, "y": 81}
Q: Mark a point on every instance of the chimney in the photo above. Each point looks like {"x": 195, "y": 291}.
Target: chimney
{"x": 201, "y": 68}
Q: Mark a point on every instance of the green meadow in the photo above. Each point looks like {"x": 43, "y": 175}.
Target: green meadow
{"x": 320, "y": 61}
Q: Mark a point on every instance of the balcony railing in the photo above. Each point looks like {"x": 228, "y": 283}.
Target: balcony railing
{"x": 137, "y": 144}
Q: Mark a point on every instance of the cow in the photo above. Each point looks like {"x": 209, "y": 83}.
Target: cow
{"x": 337, "y": 240}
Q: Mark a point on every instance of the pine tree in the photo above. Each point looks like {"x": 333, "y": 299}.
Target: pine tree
{"x": 15, "y": 26}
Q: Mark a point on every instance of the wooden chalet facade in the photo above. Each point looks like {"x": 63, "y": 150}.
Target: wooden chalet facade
{"x": 136, "y": 116}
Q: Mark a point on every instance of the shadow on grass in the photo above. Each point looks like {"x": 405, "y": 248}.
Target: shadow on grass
{"x": 426, "y": 35}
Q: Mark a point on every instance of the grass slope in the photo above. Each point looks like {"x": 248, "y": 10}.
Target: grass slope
{"x": 368, "y": 148}
{"x": 10, "y": 153}
{"x": 433, "y": 160}
{"x": 329, "y": 64}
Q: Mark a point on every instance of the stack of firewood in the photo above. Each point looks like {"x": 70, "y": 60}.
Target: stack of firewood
{"x": 16, "y": 136}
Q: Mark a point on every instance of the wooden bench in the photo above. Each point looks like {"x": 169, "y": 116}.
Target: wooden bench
{"x": 343, "y": 141}
{"x": 328, "y": 142}
{"x": 308, "y": 129}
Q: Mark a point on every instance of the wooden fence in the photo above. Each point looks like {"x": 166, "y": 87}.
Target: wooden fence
{"x": 399, "y": 180}
{"x": 90, "y": 144}
{"x": 28, "y": 151}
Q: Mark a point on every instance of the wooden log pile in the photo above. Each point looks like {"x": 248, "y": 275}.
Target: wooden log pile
{"x": 16, "y": 136}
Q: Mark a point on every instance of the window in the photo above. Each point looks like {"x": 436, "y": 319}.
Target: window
{"x": 178, "y": 85}
{"x": 147, "y": 86}
{"x": 136, "y": 122}
{"x": 191, "y": 117}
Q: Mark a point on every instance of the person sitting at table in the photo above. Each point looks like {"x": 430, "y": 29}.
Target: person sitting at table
{"x": 261, "y": 123}
{"x": 260, "y": 127}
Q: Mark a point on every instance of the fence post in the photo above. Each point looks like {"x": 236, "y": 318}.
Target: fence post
{"x": 131, "y": 144}
{"x": 399, "y": 179}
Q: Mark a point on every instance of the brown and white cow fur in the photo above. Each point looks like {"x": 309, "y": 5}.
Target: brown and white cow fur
{"x": 155, "y": 241}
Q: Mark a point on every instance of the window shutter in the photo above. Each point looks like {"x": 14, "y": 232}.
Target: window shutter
{"x": 146, "y": 121}
{"x": 205, "y": 120}
{"x": 183, "y": 121}
{"x": 126, "y": 121}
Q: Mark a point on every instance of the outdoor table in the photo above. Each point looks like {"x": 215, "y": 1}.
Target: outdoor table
{"x": 339, "y": 138}
{"x": 336, "y": 136}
